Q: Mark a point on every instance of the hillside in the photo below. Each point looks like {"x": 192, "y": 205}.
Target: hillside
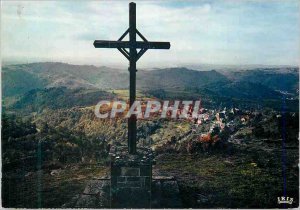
{"x": 244, "y": 90}
{"x": 177, "y": 78}
{"x": 212, "y": 86}
{"x": 58, "y": 98}
{"x": 16, "y": 81}
{"x": 46, "y": 75}
{"x": 282, "y": 79}
{"x": 74, "y": 76}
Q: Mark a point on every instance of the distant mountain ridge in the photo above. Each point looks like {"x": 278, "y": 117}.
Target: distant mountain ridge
{"x": 286, "y": 80}
{"x": 245, "y": 90}
{"x": 256, "y": 84}
{"x": 48, "y": 75}
{"x": 177, "y": 78}
{"x": 58, "y": 98}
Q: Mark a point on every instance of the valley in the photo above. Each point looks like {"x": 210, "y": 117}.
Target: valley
{"x": 244, "y": 141}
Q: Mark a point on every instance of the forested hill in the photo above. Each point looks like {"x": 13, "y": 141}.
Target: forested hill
{"x": 255, "y": 84}
{"x": 18, "y": 79}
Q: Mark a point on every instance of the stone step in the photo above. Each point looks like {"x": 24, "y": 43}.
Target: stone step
{"x": 97, "y": 194}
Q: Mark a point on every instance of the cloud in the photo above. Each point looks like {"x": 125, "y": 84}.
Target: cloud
{"x": 218, "y": 32}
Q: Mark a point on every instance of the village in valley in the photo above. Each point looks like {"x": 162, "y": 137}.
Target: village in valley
{"x": 215, "y": 125}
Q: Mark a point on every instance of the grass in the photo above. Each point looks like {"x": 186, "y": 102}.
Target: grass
{"x": 42, "y": 190}
{"x": 124, "y": 94}
{"x": 228, "y": 181}
{"x": 172, "y": 128}
{"x": 216, "y": 180}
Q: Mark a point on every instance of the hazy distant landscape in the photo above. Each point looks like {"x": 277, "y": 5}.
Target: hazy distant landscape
{"x": 52, "y": 143}
{"x": 263, "y": 85}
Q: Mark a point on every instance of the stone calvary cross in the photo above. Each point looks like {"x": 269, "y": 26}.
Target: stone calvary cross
{"x": 133, "y": 56}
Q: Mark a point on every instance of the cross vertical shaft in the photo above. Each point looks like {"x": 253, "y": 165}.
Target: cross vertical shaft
{"x": 132, "y": 77}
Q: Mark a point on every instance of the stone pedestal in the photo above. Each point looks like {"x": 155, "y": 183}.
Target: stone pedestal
{"x": 130, "y": 185}
{"x": 131, "y": 178}
{"x": 97, "y": 194}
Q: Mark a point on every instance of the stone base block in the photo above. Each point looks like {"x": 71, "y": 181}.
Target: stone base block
{"x": 163, "y": 193}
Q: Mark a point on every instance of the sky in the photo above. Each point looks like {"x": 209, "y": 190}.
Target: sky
{"x": 227, "y": 32}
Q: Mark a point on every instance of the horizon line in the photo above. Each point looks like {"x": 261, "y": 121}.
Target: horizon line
{"x": 15, "y": 62}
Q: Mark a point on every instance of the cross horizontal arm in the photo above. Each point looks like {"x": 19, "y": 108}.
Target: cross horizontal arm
{"x": 127, "y": 44}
